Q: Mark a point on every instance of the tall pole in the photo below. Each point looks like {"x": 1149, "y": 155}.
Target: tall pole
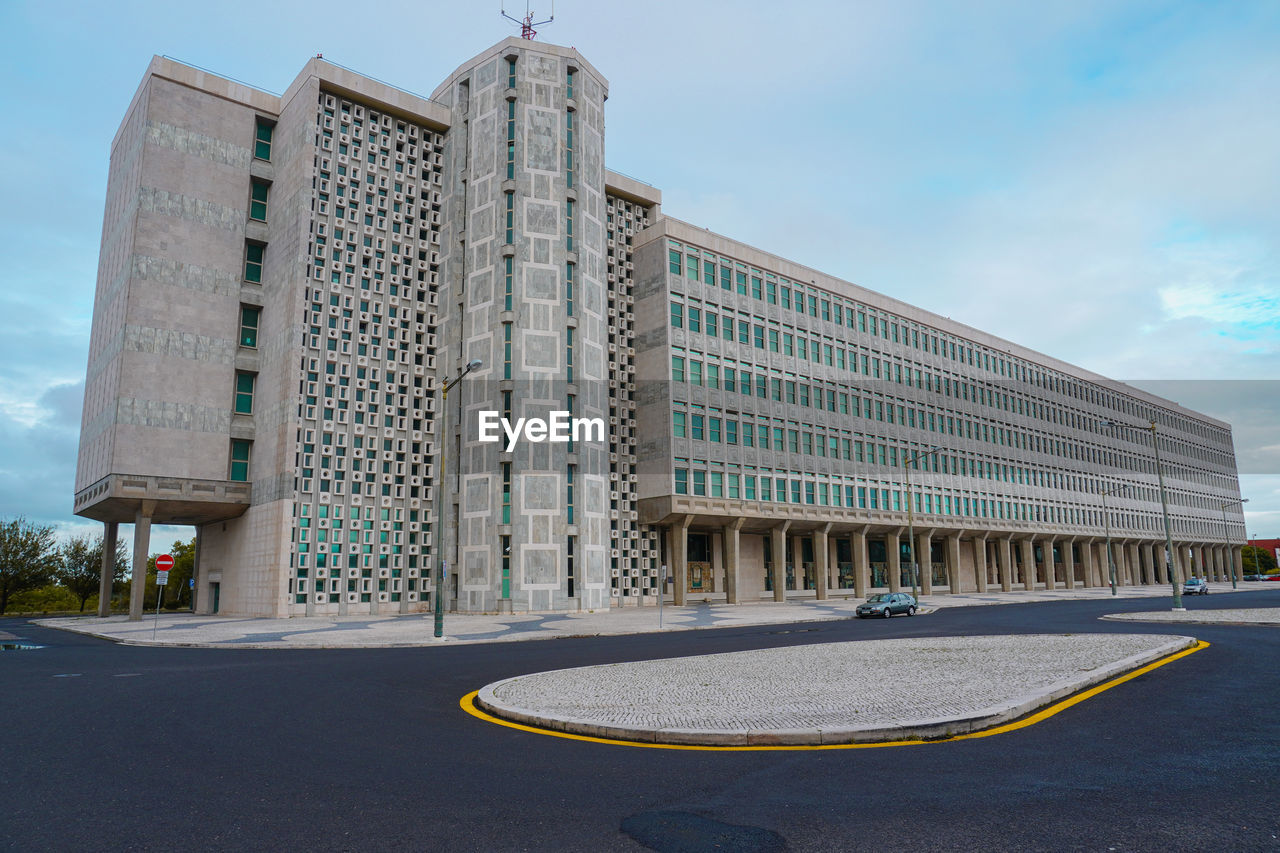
{"x": 442, "y": 496}
{"x": 911, "y": 534}
{"x": 1226, "y": 529}
{"x": 911, "y": 527}
{"x": 1111, "y": 560}
{"x": 1174, "y": 580}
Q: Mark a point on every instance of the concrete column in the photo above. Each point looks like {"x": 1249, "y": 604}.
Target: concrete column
{"x": 1050, "y": 570}
{"x": 980, "y": 562}
{"x": 1149, "y": 554}
{"x": 1028, "y": 564}
{"x": 797, "y": 561}
{"x": 821, "y": 555}
{"x": 110, "y": 535}
{"x": 732, "y": 552}
{"x": 1069, "y": 561}
{"x": 954, "y": 583}
{"x": 1087, "y": 563}
{"x": 196, "y": 593}
{"x": 778, "y": 545}
{"x": 1237, "y": 561}
{"x": 861, "y": 564}
{"x": 924, "y": 561}
{"x": 141, "y": 546}
{"x": 1202, "y": 551}
{"x": 680, "y": 559}
{"x": 893, "y": 554}
{"x": 1006, "y": 563}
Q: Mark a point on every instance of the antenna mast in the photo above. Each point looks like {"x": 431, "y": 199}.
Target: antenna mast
{"x": 527, "y": 25}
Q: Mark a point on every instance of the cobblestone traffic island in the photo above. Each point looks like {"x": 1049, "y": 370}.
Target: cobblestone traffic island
{"x": 1232, "y": 616}
{"x": 831, "y": 693}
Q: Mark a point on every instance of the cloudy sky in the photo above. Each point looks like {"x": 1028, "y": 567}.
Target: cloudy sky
{"x": 1096, "y": 180}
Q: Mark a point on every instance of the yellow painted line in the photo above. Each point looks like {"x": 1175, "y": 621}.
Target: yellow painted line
{"x": 468, "y": 704}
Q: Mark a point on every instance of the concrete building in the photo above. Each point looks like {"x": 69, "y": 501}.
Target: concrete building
{"x": 287, "y": 282}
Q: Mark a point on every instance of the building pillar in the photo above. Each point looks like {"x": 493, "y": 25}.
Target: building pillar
{"x": 924, "y": 561}
{"x": 141, "y": 546}
{"x": 195, "y": 570}
{"x": 680, "y": 560}
{"x": 732, "y": 552}
{"x": 1237, "y": 562}
{"x": 893, "y": 553}
{"x": 861, "y": 564}
{"x": 1202, "y": 551}
{"x": 954, "y": 584}
{"x": 110, "y": 535}
{"x": 980, "y": 562}
{"x": 1069, "y": 561}
{"x": 1148, "y": 549}
{"x": 778, "y": 545}
{"x": 1087, "y": 562}
{"x": 1028, "y": 564}
{"x": 821, "y": 561}
{"x": 797, "y": 561}
{"x": 1006, "y": 563}
{"x": 1050, "y": 570}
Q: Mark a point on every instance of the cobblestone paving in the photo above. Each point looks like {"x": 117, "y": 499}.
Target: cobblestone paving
{"x": 864, "y": 686}
{"x": 1238, "y": 616}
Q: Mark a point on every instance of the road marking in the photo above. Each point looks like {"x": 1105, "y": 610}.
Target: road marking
{"x": 69, "y": 675}
{"x": 468, "y": 704}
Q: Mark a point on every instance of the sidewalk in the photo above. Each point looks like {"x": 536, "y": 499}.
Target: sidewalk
{"x": 417, "y": 630}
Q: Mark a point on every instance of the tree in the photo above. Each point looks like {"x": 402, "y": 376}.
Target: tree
{"x": 175, "y": 590}
{"x": 28, "y": 557}
{"x": 1258, "y": 561}
{"x": 81, "y": 566}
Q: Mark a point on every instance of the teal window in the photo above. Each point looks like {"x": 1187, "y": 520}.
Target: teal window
{"x": 262, "y": 139}
{"x": 677, "y": 368}
{"x": 678, "y": 424}
{"x": 253, "y": 254}
{"x": 695, "y": 319}
{"x": 709, "y": 272}
{"x": 249, "y": 317}
{"x": 258, "y": 200}
{"x": 240, "y": 451}
{"x": 717, "y": 484}
{"x": 244, "y": 393}
{"x": 682, "y": 481}
{"x": 700, "y": 483}
{"x": 696, "y": 427}
{"x": 675, "y": 259}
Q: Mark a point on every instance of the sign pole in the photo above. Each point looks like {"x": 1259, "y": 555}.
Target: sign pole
{"x": 164, "y": 563}
{"x": 662, "y": 591}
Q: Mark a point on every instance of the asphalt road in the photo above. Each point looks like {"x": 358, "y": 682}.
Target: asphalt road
{"x": 106, "y": 747}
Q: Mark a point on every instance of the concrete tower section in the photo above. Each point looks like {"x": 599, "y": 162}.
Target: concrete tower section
{"x": 524, "y": 246}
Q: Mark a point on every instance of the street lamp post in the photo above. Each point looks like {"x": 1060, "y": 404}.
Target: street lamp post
{"x": 911, "y": 526}
{"x": 442, "y": 493}
{"x": 1227, "y": 530}
{"x": 1106, "y": 520}
{"x": 1174, "y": 580}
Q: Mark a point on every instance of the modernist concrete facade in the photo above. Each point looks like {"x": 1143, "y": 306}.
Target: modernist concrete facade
{"x": 286, "y": 282}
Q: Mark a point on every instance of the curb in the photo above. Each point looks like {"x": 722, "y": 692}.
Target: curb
{"x": 923, "y": 730}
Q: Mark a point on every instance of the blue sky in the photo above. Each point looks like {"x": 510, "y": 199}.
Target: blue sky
{"x": 1096, "y": 180}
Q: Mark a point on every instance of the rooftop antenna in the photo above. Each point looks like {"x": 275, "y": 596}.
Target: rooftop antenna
{"x": 527, "y": 25}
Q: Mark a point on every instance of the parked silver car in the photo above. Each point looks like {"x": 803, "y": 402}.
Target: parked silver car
{"x": 1195, "y": 586}
{"x": 885, "y": 604}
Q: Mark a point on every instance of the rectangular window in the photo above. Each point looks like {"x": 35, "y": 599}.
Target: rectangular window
{"x": 709, "y": 272}
{"x": 700, "y": 483}
{"x": 677, "y": 315}
{"x": 695, "y": 319}
{"x": 569, "y": 472}
{"x": 258, "y": 200}
{"x": 249, "y": 316}
{"x": 240, "y": 451}
{"x": 678, "y": 422}
{"x": 717, "y": 484}
{"x": 262, "y": 139}
{"x": 244, "y": 393}
{"x": 253, "y": 254}
{"x": 677, "y": 369}
{"x": 682, "y": 481}
{"x": 675, "y": 258}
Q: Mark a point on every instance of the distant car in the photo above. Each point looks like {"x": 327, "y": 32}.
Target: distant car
{"x": 1195, "y": 586}
{"x": 1271, "y": 577}
{"x": 885, "y": 604}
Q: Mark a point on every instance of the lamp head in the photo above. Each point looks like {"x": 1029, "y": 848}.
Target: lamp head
{"x": 474, "y": 364}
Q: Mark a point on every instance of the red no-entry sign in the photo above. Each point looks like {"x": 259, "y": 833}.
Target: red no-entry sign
{"x": 164, "y": 562}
